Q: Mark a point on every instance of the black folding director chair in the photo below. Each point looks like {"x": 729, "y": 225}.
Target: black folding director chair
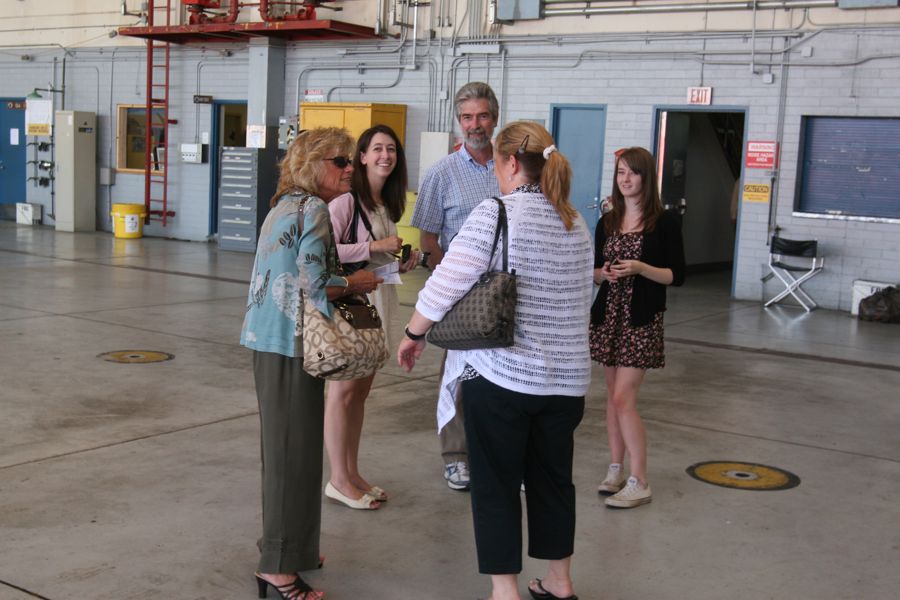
{"x": 787, "y": 257}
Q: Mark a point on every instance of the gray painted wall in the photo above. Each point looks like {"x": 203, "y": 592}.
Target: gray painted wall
{"x": 844, "y": 76}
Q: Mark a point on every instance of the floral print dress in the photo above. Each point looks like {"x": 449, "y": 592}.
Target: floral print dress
{"x": 615, "y": 342}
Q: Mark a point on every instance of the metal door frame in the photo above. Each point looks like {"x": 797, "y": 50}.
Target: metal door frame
{"x": 745, "y": 110}
{"x": 215, "y": 125}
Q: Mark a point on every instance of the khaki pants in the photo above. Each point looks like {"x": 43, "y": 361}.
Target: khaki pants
{"x": 291, "y": 415}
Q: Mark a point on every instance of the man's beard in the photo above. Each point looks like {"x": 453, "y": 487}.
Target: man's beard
{"x": 478, "y": 140}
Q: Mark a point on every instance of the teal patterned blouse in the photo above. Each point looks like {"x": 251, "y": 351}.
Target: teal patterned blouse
{"x": 291, "y": 266}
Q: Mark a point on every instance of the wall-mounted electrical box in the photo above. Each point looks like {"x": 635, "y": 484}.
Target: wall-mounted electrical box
{"x": 194, "y": 153}
{"x": 518, "y": 10}
{"x": 851, "y": 4}
{"x": 287, "y": 131}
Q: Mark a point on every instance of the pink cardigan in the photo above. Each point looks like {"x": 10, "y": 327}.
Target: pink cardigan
{"x": 341, "y": 209}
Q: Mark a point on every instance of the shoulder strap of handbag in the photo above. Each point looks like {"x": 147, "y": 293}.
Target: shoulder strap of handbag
{"x": 302, "y": 205}
{"x": 502, "y": 226}
{"x": 358, "y": 213}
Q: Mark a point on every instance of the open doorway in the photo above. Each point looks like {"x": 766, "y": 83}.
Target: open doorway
{"x": 699, "y": 157}
{"x": 229, "y": 128}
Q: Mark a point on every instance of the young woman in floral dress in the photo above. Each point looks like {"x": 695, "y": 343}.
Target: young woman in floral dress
{"x": 638, "y": 252}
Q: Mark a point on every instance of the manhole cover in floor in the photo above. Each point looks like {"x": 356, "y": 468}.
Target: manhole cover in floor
{"x": 136, "y": 356}
{"x": 743, "y": 476}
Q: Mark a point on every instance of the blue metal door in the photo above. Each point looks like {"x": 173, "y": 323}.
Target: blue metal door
{"x": 12, "y": 150}
{"x": 579, "y": 131}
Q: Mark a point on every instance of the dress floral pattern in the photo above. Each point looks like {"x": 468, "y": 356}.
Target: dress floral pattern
{"x": 615, "y": 342}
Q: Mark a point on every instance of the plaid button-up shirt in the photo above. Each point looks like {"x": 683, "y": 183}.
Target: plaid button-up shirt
{"x": 453, "y": 186}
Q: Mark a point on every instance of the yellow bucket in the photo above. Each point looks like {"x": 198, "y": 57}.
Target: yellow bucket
{"x": 128, "y": 220}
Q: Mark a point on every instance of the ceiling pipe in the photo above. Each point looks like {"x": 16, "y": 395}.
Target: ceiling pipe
{"x": 379, "y": 16}
{"x": 677, "y": 8}
{"x": 198, "y": 14}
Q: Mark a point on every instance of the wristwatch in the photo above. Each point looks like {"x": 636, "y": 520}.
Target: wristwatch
{"x": 414, "y": 337}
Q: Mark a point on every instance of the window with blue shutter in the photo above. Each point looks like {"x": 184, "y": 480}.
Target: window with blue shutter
{"x": 849, "y": 166}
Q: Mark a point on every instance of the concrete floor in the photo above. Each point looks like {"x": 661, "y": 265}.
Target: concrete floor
{"x": 141, "y": 481}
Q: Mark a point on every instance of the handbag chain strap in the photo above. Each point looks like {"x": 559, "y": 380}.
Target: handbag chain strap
{"x": 502, "y": 226}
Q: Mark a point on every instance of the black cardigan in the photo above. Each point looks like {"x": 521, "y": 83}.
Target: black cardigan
{"x": 662, "y": 247}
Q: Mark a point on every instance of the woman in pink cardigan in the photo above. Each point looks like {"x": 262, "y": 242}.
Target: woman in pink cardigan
{"x": 365, "y": 226}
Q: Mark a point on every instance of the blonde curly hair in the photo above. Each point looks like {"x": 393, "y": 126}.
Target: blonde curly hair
{"x": 302, "y": 166}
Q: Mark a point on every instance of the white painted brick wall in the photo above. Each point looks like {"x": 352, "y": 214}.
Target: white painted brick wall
{"x": 535, "y": 76}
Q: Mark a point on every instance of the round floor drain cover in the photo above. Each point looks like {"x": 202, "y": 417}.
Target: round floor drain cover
{"x": 136, "y": 356}
{"x": 743, "y": 476}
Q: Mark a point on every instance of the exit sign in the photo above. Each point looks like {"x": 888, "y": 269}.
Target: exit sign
{"x": 699, "y": 95}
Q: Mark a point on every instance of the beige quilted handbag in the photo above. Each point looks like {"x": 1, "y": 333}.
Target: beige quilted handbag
{"x": 350, "y": 345}
{"x": 485, "y": 316}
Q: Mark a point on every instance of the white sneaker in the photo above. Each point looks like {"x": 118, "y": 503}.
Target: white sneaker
{"x": 615, "y": 480}
{"x": 457, "y": 475}
{"x": 630, "y": 496}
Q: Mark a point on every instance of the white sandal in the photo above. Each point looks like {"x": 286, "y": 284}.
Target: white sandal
{"x": 379, "y": 494}
{"x": 364, "y": 503}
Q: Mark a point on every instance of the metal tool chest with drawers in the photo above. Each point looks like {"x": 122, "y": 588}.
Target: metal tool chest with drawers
{"x": 248, "y": 178}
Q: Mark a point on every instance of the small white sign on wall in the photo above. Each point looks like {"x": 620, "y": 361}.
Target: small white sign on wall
{"x": 311, "y": 95}
{"x": 14, "y": 136}
{"x": 256, "y": 136}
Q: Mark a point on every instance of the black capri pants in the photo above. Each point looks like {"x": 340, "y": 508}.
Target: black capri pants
{"x": 514, "y": 437}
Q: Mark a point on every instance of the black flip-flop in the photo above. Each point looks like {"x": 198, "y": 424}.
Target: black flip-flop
{"x": 545, "y": 595}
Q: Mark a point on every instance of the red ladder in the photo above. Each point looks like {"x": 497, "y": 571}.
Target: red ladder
{"x": 156, "y": 142}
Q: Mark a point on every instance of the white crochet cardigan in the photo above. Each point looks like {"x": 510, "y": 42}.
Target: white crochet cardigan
{"x": 554, "y": 270}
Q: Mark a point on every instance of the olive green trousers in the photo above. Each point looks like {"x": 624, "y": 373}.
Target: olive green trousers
{"x": 291, "y": 415}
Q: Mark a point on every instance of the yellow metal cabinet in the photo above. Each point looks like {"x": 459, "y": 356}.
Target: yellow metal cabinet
{"x": 356, "y": 117}
{"x": 409, "y": 233}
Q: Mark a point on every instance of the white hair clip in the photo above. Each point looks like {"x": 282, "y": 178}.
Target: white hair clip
{"x": 548, "y": 151}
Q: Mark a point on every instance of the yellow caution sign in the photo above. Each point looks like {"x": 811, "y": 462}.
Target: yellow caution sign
{"x": 743, "y": 476}
{"x": 757, "y": 192}
{"x": 37, "y": 129}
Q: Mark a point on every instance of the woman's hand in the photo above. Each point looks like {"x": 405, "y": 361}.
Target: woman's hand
{"x": 409, "y": 352}
{"x": 411, "y": 263}
{"x": 362, "y": 282}
{"x": 604, "y": 274}
{"x": 390, "y": 244}
{"x": 627, "y": 268}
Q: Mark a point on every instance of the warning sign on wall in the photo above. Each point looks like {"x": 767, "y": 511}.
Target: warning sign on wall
{"x": 38, "y": 116}
{"x": 762, "y": 155}
{"x": 756, "y": 192}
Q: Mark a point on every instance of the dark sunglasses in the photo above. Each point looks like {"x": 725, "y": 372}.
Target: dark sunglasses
{"x": 341, "y": 162}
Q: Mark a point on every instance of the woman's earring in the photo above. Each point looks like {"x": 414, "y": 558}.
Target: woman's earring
{"x": 509, "y": 179}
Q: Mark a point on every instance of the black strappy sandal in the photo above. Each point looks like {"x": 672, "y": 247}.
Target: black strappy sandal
{"x": 295, "y": 590}
{"x": 543, "y": 594}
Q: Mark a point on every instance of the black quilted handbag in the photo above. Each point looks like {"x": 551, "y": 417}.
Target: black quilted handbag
{"x": 485, "y": 316}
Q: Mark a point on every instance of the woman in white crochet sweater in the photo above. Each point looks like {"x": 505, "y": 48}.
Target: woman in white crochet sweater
{"x": 521, "y": 403}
